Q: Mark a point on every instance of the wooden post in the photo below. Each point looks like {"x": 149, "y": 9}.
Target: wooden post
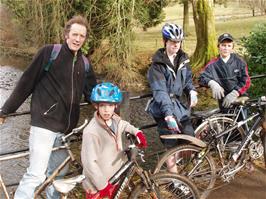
{"x": 124, "y": 108}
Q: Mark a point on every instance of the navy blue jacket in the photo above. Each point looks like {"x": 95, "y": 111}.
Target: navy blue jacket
{"x": 168, "y": 82}
{"x": 232, "y": 75}
{"x": 56, "y": 94}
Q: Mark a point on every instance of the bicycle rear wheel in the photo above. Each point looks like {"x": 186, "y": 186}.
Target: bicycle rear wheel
{"x": 200, "y": 170}
{"x": 263, "y": 140}
{"x": 168, "y": 186}
{"x": 227, "y": 144}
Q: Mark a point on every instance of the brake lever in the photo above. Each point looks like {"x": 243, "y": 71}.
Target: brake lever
{"x": 141, "y": 154}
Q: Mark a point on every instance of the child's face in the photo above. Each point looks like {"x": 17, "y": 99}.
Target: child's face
{"x": 106, "y": 110}
{"x": 226, "y": 48}
{"x": 173, "y": 46}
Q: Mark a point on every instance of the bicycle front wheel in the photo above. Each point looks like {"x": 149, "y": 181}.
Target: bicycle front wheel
{"x": 167, "y": 186}
{"x": 201, "y": 171}
{"x": 226, "y": 144}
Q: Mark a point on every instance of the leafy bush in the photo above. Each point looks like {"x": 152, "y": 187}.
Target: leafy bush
{"x": 256, "y": 58}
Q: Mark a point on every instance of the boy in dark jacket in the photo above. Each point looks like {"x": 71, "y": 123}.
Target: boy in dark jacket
{"x": 226, "y": 75}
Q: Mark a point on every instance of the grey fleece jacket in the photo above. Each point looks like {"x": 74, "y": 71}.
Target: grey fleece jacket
{"x": 101, "y": 151}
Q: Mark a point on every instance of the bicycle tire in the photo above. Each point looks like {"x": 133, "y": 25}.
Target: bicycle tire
{"x": 171, "y": 186}
{"x": 263, "y": 140}
{"x": 233, "y": 139}
{"x": 203, "y": 177}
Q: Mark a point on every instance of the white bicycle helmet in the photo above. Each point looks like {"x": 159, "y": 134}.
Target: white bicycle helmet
{"x": 172, "y": 32}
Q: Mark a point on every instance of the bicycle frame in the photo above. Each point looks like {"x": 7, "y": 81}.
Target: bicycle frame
{"x": 68, "y": 159}
{"x": 248, "y": 136}
{"x": 125, "y": 173}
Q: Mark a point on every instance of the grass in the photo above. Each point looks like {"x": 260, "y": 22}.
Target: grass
{"x": 238, "y": 24}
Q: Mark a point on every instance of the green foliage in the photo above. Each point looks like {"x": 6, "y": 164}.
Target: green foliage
{"x": 39, "y": 22}
{"x": 256, "y": 58}
{"x": 150, "y": 13}
{"x": 255, "y": 44}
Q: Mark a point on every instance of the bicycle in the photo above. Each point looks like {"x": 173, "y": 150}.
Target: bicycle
{"x": 226, "y": 142}
{"x": 142, "y": 184}
{"x": 64, "y": 186}
{"x": 221, "y": 122}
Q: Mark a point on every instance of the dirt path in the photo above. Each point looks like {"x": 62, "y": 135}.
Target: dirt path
{"x": 246, "y": 186}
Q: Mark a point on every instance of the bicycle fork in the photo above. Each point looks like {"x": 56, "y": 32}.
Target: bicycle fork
{"x": 149, "y": 184}
{"x": 246, "y": 140}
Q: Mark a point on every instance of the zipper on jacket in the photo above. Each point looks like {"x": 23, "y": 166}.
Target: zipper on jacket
{"x": 72, "y": 91}
{"x": 45, "y": 113}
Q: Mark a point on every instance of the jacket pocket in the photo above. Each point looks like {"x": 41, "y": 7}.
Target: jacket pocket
{"x": 51, "y": 108}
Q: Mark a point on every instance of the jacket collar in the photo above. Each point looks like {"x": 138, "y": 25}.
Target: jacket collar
{"x": 102, "y": 123}
{"x": 65, "y": 46}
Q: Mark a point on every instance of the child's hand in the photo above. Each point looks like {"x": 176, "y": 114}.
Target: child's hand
{"x": 172, "y": 124}
{"x": 141, "y": 139}
{"x": 93, "y": 195}
{"x": 108, "y": 191}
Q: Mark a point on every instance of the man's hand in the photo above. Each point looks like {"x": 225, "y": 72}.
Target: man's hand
{"x": 172, "y": 124}
{"x": 2, "y": 120}
{"x": 230, "y": 98}
{"x": 2, "y": 117}
{"x": 217, "y": 90}
{"x": 193, "y": 98}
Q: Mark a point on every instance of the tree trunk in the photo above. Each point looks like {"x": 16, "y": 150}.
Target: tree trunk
{"x": 186, "y": 17}
{"x": 206, "y": 47}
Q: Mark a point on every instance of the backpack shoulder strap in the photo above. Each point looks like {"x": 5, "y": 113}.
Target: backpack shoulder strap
{"x": 53, "y": 56}
{"x": 86, "y": 63}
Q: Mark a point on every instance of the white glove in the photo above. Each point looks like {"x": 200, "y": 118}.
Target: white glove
{"x": 230, "y": 98}
{"x": 217, "y": 90}
{"x": 193, "y": 98}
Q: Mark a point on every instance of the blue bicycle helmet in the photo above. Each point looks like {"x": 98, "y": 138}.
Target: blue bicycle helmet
{"x": 106, "y": 92}
{"x": 172, "y": 32}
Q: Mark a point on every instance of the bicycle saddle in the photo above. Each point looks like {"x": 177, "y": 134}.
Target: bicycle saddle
{"x": 66, "y": 185}
{"x": 241, "y": 100}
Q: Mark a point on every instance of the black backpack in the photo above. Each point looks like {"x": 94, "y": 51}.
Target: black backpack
{"x": 54, "y": 54}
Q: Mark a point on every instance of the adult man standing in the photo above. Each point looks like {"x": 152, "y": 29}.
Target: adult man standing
{"x": 226, "y": 75}
{"x": 56, "y": 95}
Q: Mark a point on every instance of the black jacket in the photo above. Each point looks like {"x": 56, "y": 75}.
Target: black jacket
{"x": 56, "y": 94}
{"x": 232, "y": 75}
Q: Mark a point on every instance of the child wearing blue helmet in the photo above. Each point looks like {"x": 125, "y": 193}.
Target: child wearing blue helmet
{"x": 102, "y": 142}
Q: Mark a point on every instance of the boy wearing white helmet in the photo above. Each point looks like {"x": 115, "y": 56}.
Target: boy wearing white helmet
{"x": 170, "y": 77}
{"x": 102, "y": 142}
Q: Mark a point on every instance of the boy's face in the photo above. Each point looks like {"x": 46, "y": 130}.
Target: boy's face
{"x": 172, "y": 47}
{"x": 106, "y": 110}
{"x": 225, "y": 48}
{"x": 76, "y": 37}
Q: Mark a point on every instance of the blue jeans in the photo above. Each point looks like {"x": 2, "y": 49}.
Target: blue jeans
{"x": 42, "y": 163}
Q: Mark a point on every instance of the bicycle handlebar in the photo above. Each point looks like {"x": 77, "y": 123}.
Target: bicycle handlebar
{"x": 75, "y": 130}
{"x": 261, "y": 101}
{"x": 132, "y": 150}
